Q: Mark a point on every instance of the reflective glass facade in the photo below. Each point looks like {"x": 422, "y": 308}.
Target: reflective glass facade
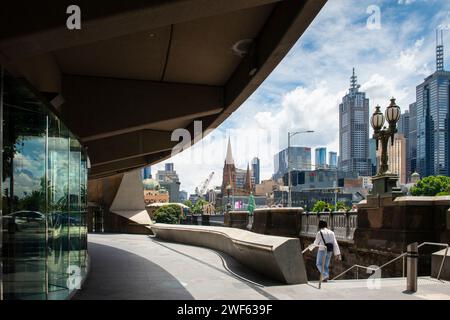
{"x": 43, "y": 183}
{"x": 432, "y": 119}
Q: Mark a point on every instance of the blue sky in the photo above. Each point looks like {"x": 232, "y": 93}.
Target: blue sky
{"x": 304, "y": 91}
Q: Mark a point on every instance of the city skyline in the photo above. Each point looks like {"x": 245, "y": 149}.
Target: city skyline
{"x": 390, "y": 61}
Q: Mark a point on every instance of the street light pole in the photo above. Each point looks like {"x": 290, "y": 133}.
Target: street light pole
{"x": 291, "y": 134}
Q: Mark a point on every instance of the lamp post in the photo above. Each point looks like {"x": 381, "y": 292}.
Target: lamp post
{"x": 228, "y": 198}
{"x": 383, "y": 135}
{"x": 290, "y": 135}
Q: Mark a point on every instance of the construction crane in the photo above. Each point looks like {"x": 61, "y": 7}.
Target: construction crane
{"x": 202, "y": 190}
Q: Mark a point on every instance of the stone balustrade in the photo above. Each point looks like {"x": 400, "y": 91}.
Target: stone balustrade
{"x": 342, "y": 223}
{"x": 293, "y": 222}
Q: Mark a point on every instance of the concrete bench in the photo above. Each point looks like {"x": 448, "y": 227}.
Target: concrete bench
{"x": 278, "y": 258}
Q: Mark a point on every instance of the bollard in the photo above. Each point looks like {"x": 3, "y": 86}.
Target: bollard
{"x": 411, "y": 267}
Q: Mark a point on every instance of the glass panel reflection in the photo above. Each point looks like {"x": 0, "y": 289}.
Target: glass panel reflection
{"x": 43, "y": 200}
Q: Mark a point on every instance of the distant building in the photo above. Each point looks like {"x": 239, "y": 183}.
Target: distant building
{"x": 433, "y": 117}
{"x": 147, "y": 173}
{"x": 239, "y": 180}
{"x": 154, "y": 193}
{"x": 168, "y": 179}
{"x": 412, "y": 138}
{"x": 266, "y": 187}
{"x": 321, "y": 158}
{"x": 300, "y": 159}
{"x": 332, "y": 159}
{"x": 396, "y": 157}
{"x": 317, "y": 179}
{"x": 403, "y": 128}
{"x": 354, "y": 131}
{"x": 183, "y": 196}
{"x": 307, "y": 198}
{"x": 256, "y": 170}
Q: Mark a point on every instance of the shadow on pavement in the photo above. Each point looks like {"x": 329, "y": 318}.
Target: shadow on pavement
{"x": 117, "y": 274}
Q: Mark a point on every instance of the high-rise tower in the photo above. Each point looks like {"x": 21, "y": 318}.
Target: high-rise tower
{"x": 433, "y": 121}
{"x": 354, "y": 131}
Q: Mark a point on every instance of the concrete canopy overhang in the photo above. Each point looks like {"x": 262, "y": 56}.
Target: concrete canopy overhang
{"x": 137, "y": 70}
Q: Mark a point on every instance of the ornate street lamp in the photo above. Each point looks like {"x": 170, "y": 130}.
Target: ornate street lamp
{"x": 377, "y": 122}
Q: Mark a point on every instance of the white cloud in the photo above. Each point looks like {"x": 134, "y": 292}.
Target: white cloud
{"x": 304, "y": 91}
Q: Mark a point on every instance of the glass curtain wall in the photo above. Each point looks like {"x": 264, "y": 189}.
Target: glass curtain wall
{"x": 43, "y": 183}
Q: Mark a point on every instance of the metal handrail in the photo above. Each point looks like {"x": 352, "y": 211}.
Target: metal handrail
{"x": 398, "y": 257}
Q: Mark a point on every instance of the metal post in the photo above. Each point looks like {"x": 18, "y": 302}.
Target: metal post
{"x": 411, "y": 268}
{"x": 403, "y": 266}
{"x": 289, "y": 171}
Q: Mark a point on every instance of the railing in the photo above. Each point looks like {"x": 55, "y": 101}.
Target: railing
{"x": 401, "y": 256}
{"x": 342, "y": 223}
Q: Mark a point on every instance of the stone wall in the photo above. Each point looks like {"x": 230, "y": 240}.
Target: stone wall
{"x": 379, "y": 231}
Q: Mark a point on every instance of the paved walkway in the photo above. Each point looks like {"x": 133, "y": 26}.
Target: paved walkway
{"x": 141, "y": 267}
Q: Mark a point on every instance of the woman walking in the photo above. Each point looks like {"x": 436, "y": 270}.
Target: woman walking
{"x": 326, "y": 238}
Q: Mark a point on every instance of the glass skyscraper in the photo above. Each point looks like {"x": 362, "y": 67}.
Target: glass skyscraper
{"x": 321, "y": 158}
{"x": 412, "y": 137}
{"x": 43, "y": 242}
{"x": 354, "y": 131}
{"x": 332, "y": 159}
{"x": 300, "y": 159}
{"x": 433, "y": 120}
{"x": 256, "y": 170}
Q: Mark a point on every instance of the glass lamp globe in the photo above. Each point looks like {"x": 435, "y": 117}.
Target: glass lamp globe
{"x": 392, "y": 112}
{"x": 377, "y": 119}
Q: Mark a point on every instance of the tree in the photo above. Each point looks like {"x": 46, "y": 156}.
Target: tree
{"x": 320, "y": 206}
{"x": 188, "y": 203}
{"x": 198, "y": 207}
{"x": 340, "y": 205}
{"x": 170, "y": 214}
{"x": 431, "y": 186}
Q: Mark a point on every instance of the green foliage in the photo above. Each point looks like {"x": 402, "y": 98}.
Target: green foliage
{"x": 431, "y": 186}
{"x": 341, "y": 206}
{"x": 320, "y": 206}
{"x": 189, "y": 204}
{"x": 198, "y": 207}
{"x": 443, "y": 193}
{"x": 170, "y": 214}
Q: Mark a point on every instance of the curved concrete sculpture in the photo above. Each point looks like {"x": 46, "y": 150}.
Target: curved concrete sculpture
{"x": 278, "y": 258}
{"x": 129, "y": 201}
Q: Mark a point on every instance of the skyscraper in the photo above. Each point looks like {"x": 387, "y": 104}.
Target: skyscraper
{"x": 332, "y": 159}
{"x": 147, "y": 172}
{"x": 412, "y": 137}
{"x": 256, "y": 170}
{"x": 354, "y": 131}
{"x": 397, "y": 157}
{"x": 432, "y": 103}
{"x": 300, "y": 159}
{"x": 403, "y": 128}
{"x": 321, "y": 158}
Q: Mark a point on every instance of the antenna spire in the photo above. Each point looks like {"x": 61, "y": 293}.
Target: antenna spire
{"x": 354, "y": 81}
{"x": 439, "y": 51}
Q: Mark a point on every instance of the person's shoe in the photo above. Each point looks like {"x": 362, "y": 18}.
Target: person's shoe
{"x": 325, "y": 279}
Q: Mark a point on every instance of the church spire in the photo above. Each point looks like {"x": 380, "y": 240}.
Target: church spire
{"x": 248, "y": 187}
{"x": 229, "y": 158}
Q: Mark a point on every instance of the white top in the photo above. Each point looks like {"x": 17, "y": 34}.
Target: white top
{"x": 329, "y": 237}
